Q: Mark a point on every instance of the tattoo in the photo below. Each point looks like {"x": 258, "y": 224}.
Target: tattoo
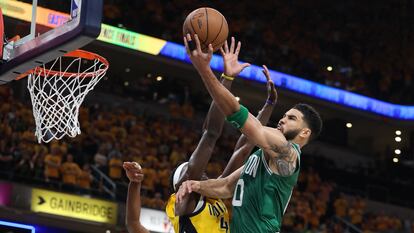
{"x": 286, "y": 161}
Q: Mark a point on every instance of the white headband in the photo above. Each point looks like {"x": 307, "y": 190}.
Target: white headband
{"x": 177, "y": 174}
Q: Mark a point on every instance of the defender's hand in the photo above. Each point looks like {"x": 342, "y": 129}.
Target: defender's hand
{"x": 133, "y": 171}
{"x": 186, "y": 188}
{"x": 232, "y": 67}
{"x": 271, "y": 90}
{"x": 199, "y": 59}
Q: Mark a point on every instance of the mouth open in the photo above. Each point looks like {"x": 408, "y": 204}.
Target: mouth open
{"x": 279, "y": 127}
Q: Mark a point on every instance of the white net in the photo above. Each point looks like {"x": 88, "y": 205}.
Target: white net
{"x": 57, "y": 92}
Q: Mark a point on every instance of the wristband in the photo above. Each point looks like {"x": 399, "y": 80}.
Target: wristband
{"x": 269, "y": 102}
{"x": 227, "y": 77}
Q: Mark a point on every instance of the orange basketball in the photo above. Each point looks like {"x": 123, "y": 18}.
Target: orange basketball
{"x": 210, "y": 26}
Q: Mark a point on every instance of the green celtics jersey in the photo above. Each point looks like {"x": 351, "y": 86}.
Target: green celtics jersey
{"x": 261, "y": 197}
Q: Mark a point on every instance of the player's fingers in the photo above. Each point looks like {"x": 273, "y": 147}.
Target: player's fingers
{"x": 266, "y": 72}
{"x": 222, "y": 51}
{"x": 186, "y": 46}
{"x": 244, "y": 65}
{"x": 137, "y": 165}
{"x": 177, "y": 197}
{"x": 266, "y": 69}
{"x": 226, "y": 47}
{"x": 198, "y": 45}
{"x": 238, "y": 49}
{"x": 190, "y": 187}
{"x": 232, "y": 45}
{"x": 210, "y": 50}
{"x": 271, "y": 85}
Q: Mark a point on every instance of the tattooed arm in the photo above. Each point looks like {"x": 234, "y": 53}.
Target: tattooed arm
{"x": 284, "y": 164}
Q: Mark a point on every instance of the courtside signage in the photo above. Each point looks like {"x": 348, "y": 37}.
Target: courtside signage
{"x": 155, "y": 46}
{"x": 132, "y": 40}
{"x": 74, "y": 206}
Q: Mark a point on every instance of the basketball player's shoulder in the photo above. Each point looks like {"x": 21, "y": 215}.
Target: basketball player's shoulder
{"x": 169, "y": 208}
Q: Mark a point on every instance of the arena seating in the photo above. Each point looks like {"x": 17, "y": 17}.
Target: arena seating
{"x": 316, "y": 204}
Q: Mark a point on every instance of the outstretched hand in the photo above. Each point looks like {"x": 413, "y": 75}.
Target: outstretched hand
{"x": 232, "y": 67}
{"x": 186, "y": 188}
{"x": 199, "y": 59}
{"x": 271, "y": 90}
{"x": 133, "y": 171}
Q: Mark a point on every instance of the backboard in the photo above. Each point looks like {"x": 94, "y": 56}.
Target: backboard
{"x": 79, "y": 25}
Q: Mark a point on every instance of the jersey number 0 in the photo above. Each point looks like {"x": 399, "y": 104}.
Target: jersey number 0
{"x": 238, "y": 193}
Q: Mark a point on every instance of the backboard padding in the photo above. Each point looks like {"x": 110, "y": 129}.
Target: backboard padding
{"x": 70, "y": 36}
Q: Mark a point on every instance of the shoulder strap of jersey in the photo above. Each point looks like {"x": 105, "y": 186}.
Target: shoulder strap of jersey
{"x": 297, "y": 148}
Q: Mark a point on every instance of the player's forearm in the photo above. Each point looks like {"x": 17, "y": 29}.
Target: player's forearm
{"x": 215, "y": 118}
{"x": 265, "y": 113}
{"x": 238, "y": 158}
{"x": 133, "y": 209}
{"x": 226, "y": 102}
{"x": 216, "y": 188}
{"x": 263, "y": 117}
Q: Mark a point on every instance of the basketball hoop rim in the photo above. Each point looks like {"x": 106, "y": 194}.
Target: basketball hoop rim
{"x": 75, "y": 54}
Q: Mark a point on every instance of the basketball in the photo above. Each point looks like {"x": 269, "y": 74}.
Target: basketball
{"x": 210, "y": 26}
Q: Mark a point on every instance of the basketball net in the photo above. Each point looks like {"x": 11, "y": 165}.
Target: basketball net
{"x": 58, "y": 91}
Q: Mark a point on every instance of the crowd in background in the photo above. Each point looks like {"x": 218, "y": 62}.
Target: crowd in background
{"x": 158, "y": 143}
{"x": 369, "y": 50}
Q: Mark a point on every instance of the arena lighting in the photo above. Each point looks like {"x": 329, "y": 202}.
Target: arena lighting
{"x": 306, "y": 87}
{"x": 237, "y": 98}
{"x": 18, "y": 225}
{"x": 155, "y": 46}
{"x": 127, "y": 70}
{"x": 349, "y": 125}
{"x": 159, "y": 78}
{"x": 329, "y": 68}
{"x": 397, "y": 151}
{"x": 398, "y": 139}
{"x": 126, "y": 83}
{"x": 398, "y": 132}
{"x": 395, "y": 160}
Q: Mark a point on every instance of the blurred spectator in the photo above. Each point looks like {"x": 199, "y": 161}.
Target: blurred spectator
{"x": 341, "y": 206}
{"x": 52, "y": 164}
{"x": 6, "y": 161}
{"x": 25, "y": 166}
{"x": 157, "y": 202}
{"x": 70, "y": 171}
{"x": 115, "y": 166}
{"x": 85, "y": 177}
{"x": 100, "y": 159}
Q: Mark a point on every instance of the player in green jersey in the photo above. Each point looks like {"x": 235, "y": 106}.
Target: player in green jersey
{"x": 261, "y": 189}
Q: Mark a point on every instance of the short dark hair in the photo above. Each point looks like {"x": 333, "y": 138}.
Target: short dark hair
{"x": 312, "y": 119}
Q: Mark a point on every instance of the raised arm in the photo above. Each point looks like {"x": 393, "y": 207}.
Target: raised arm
{"x": 215, "y": 188}
{"x": 133, "y": 205}
{"x": 267, "y": 109}
{"x": 243, "y": 147}
{"x": 213, "y": 127}
{"x": 264, "y": 137}
{"x": 212, "y": 130}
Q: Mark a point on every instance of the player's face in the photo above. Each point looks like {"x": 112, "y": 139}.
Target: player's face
{"x": 291, "y": 124}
